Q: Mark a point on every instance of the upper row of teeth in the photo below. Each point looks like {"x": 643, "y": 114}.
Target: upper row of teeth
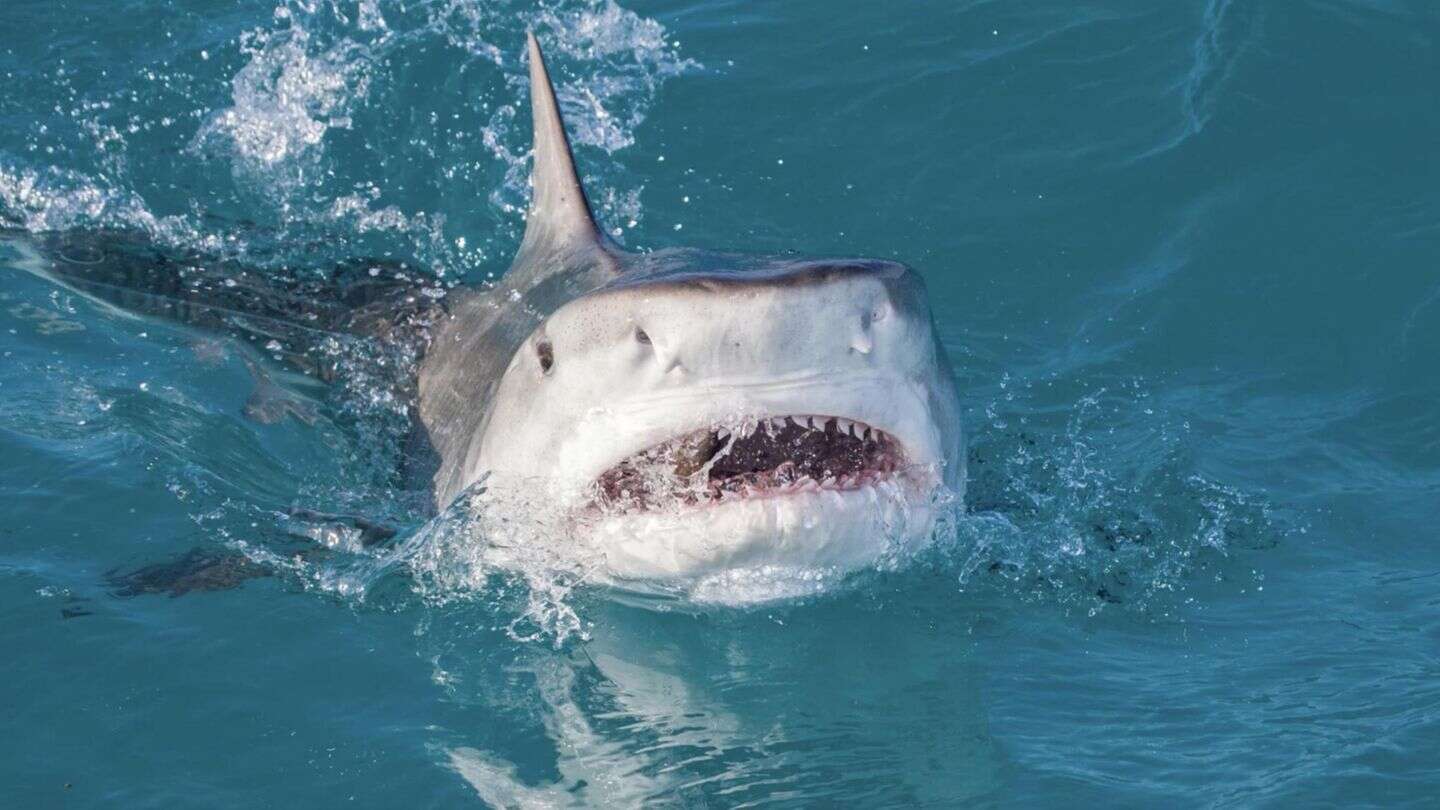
{"x": 859, "y": 430}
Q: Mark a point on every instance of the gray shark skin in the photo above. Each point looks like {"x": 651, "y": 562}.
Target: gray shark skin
{"x": 586, "y": 361}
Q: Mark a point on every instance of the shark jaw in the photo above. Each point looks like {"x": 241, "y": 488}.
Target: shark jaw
{"x": 803, "y": 495}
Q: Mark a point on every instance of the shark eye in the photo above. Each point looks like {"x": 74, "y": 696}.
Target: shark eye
{"x": 546, "y": 353}
{"x": 642, "y": 337}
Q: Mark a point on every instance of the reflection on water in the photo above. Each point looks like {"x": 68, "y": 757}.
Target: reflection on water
{"x": 732, "y": 707}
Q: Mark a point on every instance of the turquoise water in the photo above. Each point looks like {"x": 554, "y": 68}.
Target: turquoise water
{"x": 1184, "y": 259}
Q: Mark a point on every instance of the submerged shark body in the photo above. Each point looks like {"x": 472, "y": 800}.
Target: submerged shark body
{"x": 688, "y": 411}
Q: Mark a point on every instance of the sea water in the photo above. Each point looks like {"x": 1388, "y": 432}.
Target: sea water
{"x": 1184, "y": 256}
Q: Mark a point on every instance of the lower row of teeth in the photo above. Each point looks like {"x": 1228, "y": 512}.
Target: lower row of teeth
{"x": 741, "y": 487}
{"x": 725, "y": 490}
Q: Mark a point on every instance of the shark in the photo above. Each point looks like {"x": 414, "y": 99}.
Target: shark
{"x": 688, "y": 411}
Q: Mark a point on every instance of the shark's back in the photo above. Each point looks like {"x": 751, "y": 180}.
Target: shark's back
{"x": 288, "y": 314}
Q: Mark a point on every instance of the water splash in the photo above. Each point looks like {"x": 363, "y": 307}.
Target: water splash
{"x": 287, "y": 97}
{"x": 56, "y": 199}
{"x": 340, "y": 129}
{"x": 1099, "y": 506}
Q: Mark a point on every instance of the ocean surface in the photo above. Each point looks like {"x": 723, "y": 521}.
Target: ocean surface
{"x": 1184, "y": 256}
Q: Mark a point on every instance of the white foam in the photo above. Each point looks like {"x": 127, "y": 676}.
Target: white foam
{"x": 285, "y": 100}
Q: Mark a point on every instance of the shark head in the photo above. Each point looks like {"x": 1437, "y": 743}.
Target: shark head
{"x": 693, "y": 411}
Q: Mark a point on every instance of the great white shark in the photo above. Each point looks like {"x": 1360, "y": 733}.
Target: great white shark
{"x": 689, "y": 411}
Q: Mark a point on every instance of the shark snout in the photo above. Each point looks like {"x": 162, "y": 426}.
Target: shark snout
{"x": 796, "y": 317}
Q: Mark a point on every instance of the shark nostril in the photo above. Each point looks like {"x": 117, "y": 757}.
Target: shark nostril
{"x": 546, "y": 353}
{"x": 863, "y": 342}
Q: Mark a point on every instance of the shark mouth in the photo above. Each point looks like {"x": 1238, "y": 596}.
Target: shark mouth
{"x": 771, "y": 457}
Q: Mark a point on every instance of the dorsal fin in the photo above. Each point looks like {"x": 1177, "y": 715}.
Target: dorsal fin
{"x": 559, "y": 220}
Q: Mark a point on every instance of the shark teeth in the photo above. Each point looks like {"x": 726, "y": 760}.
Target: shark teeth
{"x": 752, "y": 458}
